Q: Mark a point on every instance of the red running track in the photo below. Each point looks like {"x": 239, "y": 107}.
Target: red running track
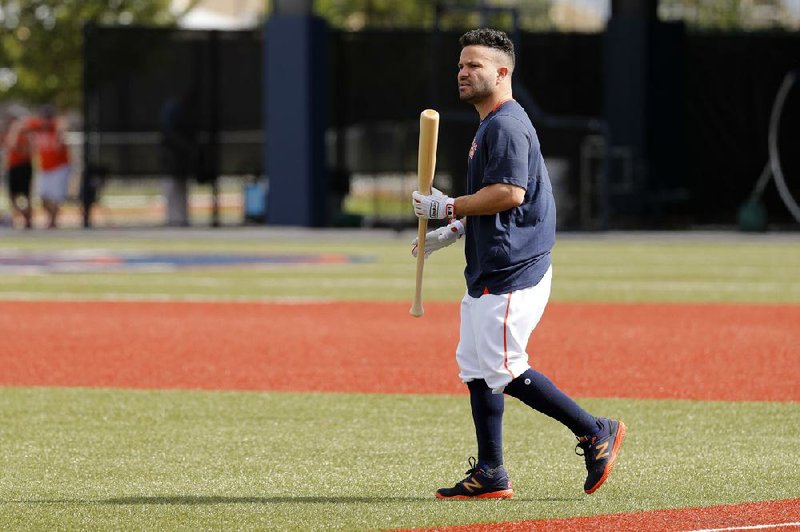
{"x": 704, "y": 351}
{"x": 770, "y": 515}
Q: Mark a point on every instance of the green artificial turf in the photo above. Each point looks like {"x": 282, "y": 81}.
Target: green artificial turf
{"x": 609, "y": 268}
{"x": 194, "y": 460}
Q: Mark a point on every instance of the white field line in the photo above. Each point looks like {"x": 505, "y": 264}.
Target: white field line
{"x": 655, "y": 285}
{"x": 795, "y": 524}
{"x": 267, "y": 284}
{"x": 12, "y": 297}
{"x": 565, "y": 285}
{"x": 625, "y": 270}
{"x": 213, "y": 282}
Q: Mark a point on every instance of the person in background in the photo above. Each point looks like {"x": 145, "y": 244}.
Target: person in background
{"x": 51, "y": 156}
{"x": 180, "y": 154}
{"x": 17, "y": 165}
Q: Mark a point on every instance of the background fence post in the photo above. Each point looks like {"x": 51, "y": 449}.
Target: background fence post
{"x": 295, "y": 117}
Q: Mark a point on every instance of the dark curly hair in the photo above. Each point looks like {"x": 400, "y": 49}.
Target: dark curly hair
{"x": 488, "y": 37}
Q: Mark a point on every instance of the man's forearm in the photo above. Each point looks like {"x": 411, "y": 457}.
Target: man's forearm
{"x": 490, "y": 200}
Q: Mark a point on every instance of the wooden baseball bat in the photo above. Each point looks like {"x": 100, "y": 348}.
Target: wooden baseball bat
{"x": 426, "y": 166}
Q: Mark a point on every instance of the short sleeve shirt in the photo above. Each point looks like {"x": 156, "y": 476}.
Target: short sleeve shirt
{"x": 510, "y": 250}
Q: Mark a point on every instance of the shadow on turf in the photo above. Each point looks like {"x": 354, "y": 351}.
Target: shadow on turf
{"x": 188, "y": 500}
{"x": 209, "y": 500}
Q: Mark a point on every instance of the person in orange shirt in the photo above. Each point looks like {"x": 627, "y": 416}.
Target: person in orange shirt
{"x": 52, "y": 162}
{"x": 17, "y": 165}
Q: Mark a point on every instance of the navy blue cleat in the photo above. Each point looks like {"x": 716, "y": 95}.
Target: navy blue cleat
{"x": 600, "y": 451}
{"x": 481, "y": 483}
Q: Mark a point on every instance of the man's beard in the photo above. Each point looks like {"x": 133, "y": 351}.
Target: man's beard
{"x": 475, "y": 94}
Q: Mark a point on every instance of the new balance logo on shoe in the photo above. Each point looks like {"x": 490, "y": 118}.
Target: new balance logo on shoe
{"x": 481, "y": 483}
{"x": 600, "y": 451}
{"x": 471, "y": 484}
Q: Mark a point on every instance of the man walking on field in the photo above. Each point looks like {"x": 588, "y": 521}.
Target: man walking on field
{"x": 509, "y": 227}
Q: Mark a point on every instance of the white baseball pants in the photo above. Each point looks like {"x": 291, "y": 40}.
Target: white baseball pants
{"x": 494, "y": 333}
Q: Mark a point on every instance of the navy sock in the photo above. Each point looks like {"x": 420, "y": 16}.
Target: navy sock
{"x": 539, "y": 392}
{"x": 487, "y": 413}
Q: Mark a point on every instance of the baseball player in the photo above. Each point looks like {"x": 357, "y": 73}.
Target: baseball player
{"x": 507, "y": 219}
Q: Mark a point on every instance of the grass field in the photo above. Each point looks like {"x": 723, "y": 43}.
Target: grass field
{"x": 590, "y": 267}
{"x": 183, "y": 459}
{"x": 197, "y": 460}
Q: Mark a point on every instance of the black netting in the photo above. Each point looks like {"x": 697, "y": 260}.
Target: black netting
{"x": 210, "y": 86}
{"x": 154, "y": 95}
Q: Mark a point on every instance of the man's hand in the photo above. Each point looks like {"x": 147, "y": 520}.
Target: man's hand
{"x": 434, "y": 207}
{"x": 440, "y": 238}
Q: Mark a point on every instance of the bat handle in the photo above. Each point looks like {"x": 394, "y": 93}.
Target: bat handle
{"x": 416, "y": 307}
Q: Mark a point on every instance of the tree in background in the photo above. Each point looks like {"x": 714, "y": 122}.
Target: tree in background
{"x": 733, "y": 14}
{"x": 557, "y": 15}
{"x": 40, "y": 43}
{"x": 40, "y": 40}
{"x": 363, "y": 14}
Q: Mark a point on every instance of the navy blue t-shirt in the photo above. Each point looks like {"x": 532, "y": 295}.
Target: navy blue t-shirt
{"x": 510, "y": 250}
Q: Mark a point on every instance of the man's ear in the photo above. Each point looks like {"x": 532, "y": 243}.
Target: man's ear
{"x": 502, "y": 72}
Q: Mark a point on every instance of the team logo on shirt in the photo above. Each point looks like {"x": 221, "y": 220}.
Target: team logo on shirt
{"x": 472, "y": 149}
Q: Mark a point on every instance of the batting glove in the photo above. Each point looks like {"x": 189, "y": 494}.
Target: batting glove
{"x": 434, "y": 207}
{"x": 440, "y": 238}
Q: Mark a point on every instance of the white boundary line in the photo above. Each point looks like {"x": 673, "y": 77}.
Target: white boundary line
{"x": 752, "y": 527}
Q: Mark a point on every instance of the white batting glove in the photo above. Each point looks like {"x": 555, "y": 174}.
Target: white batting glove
{"x": 440, "y": 238}
{"x": 434, "y": 207}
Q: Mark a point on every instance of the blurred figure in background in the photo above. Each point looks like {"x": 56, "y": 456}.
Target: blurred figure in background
{"x": 16, "y": 142}
{"x": 52, "y": 164}
{"x": 180, "y": 152}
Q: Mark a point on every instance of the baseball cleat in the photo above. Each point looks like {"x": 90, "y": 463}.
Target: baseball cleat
{"x": 480, "y": 484}
{"x": 600, "y": 452}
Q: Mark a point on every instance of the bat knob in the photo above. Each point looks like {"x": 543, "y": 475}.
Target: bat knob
{"x": 417, "y": 311}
